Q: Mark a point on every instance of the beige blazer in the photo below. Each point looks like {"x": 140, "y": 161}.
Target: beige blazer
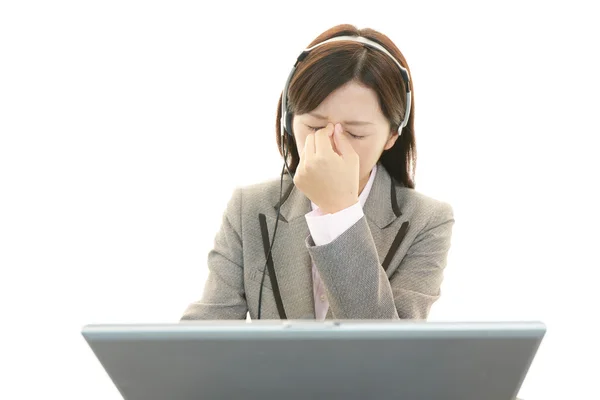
{"x": 388, "y": 265}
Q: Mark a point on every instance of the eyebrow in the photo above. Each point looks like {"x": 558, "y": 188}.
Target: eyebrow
{"x": 345, "y": 122}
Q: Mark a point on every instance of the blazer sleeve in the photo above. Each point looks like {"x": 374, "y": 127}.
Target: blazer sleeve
{"x": 224, "y": 296}
{"x": 357, "y": 286}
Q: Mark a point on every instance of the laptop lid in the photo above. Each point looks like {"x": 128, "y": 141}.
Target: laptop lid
{"x": 311, "y": 359}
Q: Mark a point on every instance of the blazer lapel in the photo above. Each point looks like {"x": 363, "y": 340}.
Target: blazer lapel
{"x": 291, "y": 260}
{"x": 382, "y": 208}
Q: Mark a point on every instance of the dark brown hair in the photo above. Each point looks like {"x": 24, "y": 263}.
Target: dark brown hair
{"x": 332, "y": 65}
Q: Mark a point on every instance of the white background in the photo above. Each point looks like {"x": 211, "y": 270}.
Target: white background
{"x": 125, "y": 126}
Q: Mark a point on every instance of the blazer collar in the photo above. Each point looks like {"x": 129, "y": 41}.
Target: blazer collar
{"x": 381, "y": 207}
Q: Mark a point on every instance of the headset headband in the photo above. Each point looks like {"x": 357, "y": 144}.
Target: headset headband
{"x": 359, "y": 39}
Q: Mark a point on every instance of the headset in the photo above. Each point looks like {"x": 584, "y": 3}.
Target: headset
{"x": 287, "y": 116}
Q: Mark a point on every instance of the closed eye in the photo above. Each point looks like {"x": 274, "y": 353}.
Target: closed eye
{"x": 316, "y": 128}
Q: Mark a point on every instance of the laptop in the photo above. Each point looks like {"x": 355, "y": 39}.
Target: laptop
{"x": 342, "y": 359}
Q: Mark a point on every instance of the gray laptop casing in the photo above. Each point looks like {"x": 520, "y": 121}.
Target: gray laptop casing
{"x": 317, "y": 360}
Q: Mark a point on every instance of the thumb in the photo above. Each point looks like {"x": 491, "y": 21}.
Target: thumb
{"x": 341, "y": 142}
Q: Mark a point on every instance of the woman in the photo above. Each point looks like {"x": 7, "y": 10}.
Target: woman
{"x": 354, "y": 240}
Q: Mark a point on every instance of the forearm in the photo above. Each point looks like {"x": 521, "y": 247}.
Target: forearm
{"x": 356, "y": 284}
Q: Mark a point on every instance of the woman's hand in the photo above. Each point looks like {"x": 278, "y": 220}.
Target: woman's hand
{"x": 328, "y": 172}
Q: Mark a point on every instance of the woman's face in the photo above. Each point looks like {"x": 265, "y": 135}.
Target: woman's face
{"x": 356, "y": 107}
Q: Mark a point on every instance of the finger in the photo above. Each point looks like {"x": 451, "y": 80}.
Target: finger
{"x": 301, "y": 154}
{"x": 333, "y": 144}
{"x": 309, "y": 146}
{"x": 323, "y": 140}
{"x": 342, "y": 144}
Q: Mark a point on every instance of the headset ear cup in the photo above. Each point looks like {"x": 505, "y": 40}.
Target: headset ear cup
{"x": 288, "y": 124}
